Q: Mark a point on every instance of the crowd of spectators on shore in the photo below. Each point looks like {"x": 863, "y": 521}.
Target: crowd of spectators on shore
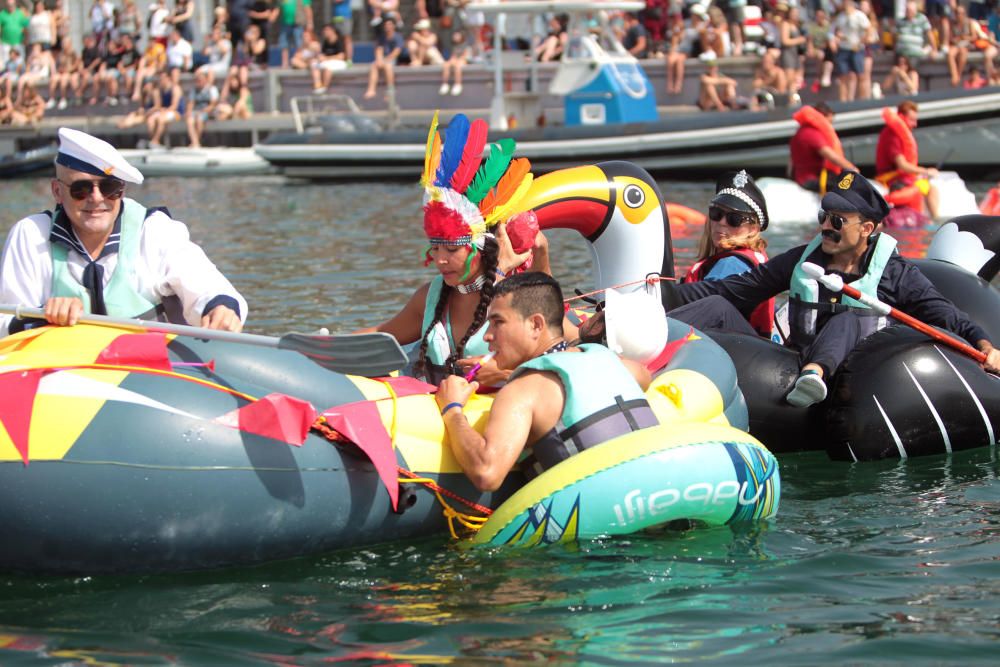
{"x": 824, "y": 43}
{"x": 134, "y": 56}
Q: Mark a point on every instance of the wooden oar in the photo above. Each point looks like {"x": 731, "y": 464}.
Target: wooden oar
{"x": 369, "y": 354}
{"x": 836, "y": 283}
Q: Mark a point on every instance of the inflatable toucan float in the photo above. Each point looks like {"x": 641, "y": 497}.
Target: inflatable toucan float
{"x": 128, "y": 450}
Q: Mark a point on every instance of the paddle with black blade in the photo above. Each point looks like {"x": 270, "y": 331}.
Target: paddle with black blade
{"x": 836, "y": 283}
{"x": 368, "y": 354}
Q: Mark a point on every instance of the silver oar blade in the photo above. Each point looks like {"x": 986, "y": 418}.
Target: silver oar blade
{"x": 368, "y": 354}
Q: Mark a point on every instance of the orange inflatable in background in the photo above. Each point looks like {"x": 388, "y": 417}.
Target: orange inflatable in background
{"x": 683, "y": 215}
{"x": 991, "y": 204}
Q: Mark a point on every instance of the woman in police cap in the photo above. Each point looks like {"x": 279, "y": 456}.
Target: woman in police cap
{"x": 824, "y": 326}
{"x": 731, "y": 242}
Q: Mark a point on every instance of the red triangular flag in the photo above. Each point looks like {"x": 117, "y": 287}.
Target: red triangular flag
{"x": 18, "y": 389}
{"x": 668, "y": 352}
{"x": 275, "y": 416}
{"x": 147, "y": 350}
{"x": 361, "y": 424}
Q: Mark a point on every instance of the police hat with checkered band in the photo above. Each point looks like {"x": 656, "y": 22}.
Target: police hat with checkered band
{"x": 736, "y": 190}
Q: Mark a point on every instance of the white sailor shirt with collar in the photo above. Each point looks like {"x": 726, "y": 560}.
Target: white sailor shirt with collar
{"x": 169, "y": 264}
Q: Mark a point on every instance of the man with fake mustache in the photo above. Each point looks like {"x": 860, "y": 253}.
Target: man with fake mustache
{"x": 100, "y": 252}
{"x": 824, "y": 325}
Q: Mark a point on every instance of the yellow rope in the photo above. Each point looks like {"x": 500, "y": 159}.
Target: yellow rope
{"x": 469, "y": 521}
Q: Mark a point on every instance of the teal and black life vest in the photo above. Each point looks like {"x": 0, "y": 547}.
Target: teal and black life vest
{"x": 121, "y": 298}
{"x": 805, "y": 306}
{"x": 440, "y": 341}
{"x": 603, "y": 401}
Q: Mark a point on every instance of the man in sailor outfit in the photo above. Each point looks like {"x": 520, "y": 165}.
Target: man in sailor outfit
{"x": 824, "y": 326}
{"x": 103, "y": 253}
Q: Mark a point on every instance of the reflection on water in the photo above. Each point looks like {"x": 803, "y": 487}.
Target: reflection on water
{"x": 866, "y": 563}
{"x": 875, "y": 562}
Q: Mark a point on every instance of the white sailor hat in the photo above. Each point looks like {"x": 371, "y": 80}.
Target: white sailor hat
{"x": 82, "y": 152}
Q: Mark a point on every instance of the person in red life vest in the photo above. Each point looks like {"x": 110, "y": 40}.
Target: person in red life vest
{"x": 896, "y": 164}
{"x": 732, "y": 243}
{"x": 815, "y": 153}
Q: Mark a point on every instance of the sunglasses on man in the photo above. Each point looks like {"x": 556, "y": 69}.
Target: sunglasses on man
{"x": 110, "y": 187}
{"x": 836, "y": 221}
{"x": 732, "y": 218}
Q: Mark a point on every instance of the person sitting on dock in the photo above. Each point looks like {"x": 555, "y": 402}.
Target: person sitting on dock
{"x": 824, "y": 326}
{"x": 204, "y": 99}
{"x": 12, "y": 71}
{"x": 100, "y": 252}
{"x": 6, "y": 109}
{"x": 423, "y": 45}
{"x": 168, "y": 107}
{"x": 330, "y": 58}
{"x": 457, "y": 60}
{"x": 29, "y": 108}
{"x": 769, "y": 81}
{"x": 237, "y": 100}
{"x": 558, "y": 399}
{"x": 968, "y": 35}
{"x": 896, "y": 154}
{"x": 815, "y": 153}
{"x": 903, "y": 79}
{"x": 388, "y": 48}
{"x": 717, "y": 91}
{"x": 471, "y": 252}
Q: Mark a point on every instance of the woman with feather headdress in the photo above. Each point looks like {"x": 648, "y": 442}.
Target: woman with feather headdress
{"x": 467, "y": 201}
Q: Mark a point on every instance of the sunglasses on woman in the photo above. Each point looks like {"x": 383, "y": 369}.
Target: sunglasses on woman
{"x": 836, "y": 221}
{"x": 732, "y": 218}
{"x": 111, "y": 188}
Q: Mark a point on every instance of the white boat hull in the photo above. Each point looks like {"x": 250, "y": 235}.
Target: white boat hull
{"x": 198, "y": 161}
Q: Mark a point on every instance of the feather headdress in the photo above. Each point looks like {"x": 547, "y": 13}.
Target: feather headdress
{"x": 465, "y": 195}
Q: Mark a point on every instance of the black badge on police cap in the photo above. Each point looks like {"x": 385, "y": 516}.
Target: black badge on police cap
{"x": 852, "y": 192}
{"x": 736, "y": 190}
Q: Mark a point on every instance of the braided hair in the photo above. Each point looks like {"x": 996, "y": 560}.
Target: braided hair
{"x": 489, "y": 260}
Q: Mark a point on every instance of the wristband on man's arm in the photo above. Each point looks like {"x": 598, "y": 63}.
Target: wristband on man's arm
{"x": 450, "y": 406}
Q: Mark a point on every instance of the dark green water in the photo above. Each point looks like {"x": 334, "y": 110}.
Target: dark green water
{"x": 892, "y": 562}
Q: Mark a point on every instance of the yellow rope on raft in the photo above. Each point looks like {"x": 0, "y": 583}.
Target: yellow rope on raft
{"x": 473, "y": 523}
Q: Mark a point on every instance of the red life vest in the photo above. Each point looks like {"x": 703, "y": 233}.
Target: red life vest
{"x": 808, "y": 116}
{"x": 762, "y": 317}
{"x": 912, "y": 193}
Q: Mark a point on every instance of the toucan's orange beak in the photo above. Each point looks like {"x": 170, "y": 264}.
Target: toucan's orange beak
{"x": 576, "y": 198}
